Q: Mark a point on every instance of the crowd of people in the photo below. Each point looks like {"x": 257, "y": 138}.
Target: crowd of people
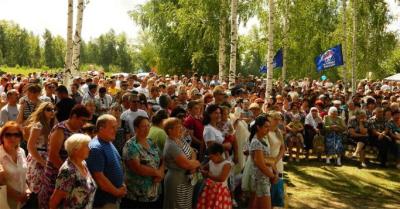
{"x": 181, "y": 142}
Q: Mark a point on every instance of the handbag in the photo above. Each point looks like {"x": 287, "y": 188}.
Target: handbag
{"x": 319, "y": 144}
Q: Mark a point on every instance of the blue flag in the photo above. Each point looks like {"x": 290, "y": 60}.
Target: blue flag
{"x": 278, "y": 62}
{"x": 331, "y": 58}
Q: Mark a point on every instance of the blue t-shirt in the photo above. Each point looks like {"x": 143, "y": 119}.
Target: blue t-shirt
{"x": 104, "y": 157}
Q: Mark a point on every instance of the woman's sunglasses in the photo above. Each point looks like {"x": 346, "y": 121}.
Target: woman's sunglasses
{"x": 9, "y": 135}
{"x": 49, "y": 109}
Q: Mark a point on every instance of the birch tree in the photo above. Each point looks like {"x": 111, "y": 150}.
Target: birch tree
{"x": 354, "y": 47}
{"x": 77, "y": 38}
{"x": 344, "y": 42}
{"x": 234, "y": 38}
{"x": 68, "y": 54}
{"x": 270, "y": 57}
{"x": 285, "y": 38}
{"x": 222, "y": 41}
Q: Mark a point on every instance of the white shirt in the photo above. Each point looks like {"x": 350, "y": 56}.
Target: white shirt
{"x": 142, "y": 90}
{"x": 212, "y": 134}
{"x": 15, "y": 172}
{"x": 104, "y": 102}
{"x": 8, "y": 113}
{"x": 216, "y": 169}
{"x": 128, "y": 116}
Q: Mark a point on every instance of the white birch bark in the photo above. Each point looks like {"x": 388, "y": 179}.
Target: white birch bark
{"x": 344, "y": 43}
{"x": 270, "y": 57}
{"x": 285, "y": 39}
{"x": 354, "y": 47}
{"x": 68, "y": 55}
{"x": 234, "y": 38}
{"x": 222, "y": 41}
{"x": 77, "y": 39}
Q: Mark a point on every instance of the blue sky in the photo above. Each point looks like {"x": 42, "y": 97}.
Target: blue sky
{"x": 99, "y": 16}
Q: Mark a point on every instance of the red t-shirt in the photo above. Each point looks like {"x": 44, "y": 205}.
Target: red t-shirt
{"x": 196, "y": 125}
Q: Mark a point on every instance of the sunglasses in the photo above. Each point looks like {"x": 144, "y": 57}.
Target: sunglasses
{"x": 135, "y": 101}
{"x": 49, "y": 109}
{"x": 16, "y": 135}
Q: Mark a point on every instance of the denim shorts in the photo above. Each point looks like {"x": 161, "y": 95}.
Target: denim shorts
{"x": 262, "y": 187}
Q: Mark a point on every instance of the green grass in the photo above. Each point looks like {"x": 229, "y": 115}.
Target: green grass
{"x": 315, "y": 185}
{"x": 26, "y": 70}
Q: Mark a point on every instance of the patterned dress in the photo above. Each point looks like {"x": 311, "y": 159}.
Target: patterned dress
{"x": 35, "y": 169}
{"x": 334, "y": 139}
{"x": 50, "y": 173}
{"x": 259, "y": 182}
{"x": 141, "y": 188}
{"x": 80, "y": 189}
{"x": 215, "y": 195}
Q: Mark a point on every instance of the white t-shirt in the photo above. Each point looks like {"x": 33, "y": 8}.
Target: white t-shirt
{"x": 129, "y": 116}
{"x": 211, "y": 134}
{"x": 216, "y": 169}
{"x": 8, "y": 113}
{"x": 142, "y": 90}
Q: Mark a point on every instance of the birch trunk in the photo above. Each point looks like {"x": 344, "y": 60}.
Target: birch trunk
{"x": 68, "y": 55}
{"x": 344, "y": 43}
{"x": 222, "y": 41}
{"x": 234, "y": 37}
{"x": 285, "y": 39}
{"x": 270, "y": 57}
{"x": 77, "y": 39}
{"x": 354, "y": 47}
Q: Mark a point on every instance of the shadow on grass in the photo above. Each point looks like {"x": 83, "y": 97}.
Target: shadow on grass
{"x": 344, "y": 190}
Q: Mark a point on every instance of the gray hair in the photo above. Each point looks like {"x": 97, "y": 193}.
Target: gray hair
{"x": 103, "y": 119}
{"x": 75, "y": 142}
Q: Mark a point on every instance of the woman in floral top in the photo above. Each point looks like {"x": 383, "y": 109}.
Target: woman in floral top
{"x": 144, "y": 169}
{"x": 75, "y": 187}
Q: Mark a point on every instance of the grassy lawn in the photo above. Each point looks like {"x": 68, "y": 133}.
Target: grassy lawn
{"x": 313, "y": 184}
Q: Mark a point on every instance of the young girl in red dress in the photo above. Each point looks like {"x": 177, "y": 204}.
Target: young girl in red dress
{"x": 216, "y": 194}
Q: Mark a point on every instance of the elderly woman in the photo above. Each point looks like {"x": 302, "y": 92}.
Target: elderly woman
{"x": 144, "y": 168}
{"x": 13, "y": 160}
{"x": 56, "y": 153}
{"x": 358, "y": 130}
{"x": 312, "y": 126}
{"x": 261, "y": 172}
{"x": 75, "y": 187}
{"x": 180, "y": 160}
{"x": 40, "y": 124}
{"x": 334, "y": 127}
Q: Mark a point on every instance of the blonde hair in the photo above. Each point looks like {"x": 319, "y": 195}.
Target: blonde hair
{"x": 76, "y": 141}
{"x": 39, "y": 116}
{"x": 170, "y": 123}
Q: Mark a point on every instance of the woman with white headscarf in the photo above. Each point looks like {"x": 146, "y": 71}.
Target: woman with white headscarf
{"x": 334, "y": 127}
{"x": 312, "y": 126}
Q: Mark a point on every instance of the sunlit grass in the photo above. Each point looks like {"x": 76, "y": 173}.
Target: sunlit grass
{"x": 315, "y": 185}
